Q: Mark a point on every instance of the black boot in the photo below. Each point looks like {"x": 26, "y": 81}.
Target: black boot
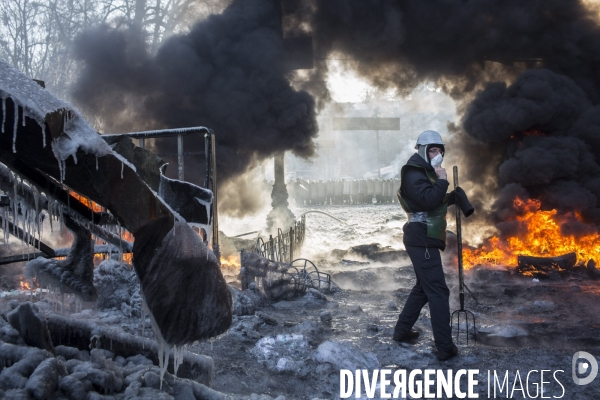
{"x": 406, "y": 336}
{"x": 448, "y": 354}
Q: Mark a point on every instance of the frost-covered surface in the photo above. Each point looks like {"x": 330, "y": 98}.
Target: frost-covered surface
{"x": 345, "y": 356}
{"x": 282, "y": 351}
{"x": 36, "y": 103}
{"x": 35, "y": 100}
{"x": 79, "y": 135}
{"x": 118, "y": 288}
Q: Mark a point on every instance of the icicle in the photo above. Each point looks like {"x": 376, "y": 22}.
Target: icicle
{"x": 177, "y": 358}
{"x": 60, "y": 169}
{"x": 96, "y": 163}
{"x": 50, "y": 211}
{"x": 120, "y": 243}
{"x": 15, "y": 129}
{"x": 165, "y": 363}
{"x": 43, "y": 124}
{"x": 122, "y": 166}
{"x": 163, "y": 349}
{"x": 3, "y": 112}
{"x": 61, "y": 219}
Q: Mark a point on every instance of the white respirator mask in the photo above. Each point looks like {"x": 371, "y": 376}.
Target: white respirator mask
{"x": 437, "y": 161}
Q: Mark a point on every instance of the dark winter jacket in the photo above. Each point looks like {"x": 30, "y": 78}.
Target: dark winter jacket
{"x": 422, "y": 195}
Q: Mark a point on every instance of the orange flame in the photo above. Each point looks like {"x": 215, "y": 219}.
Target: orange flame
{"x": 231, "y": 262}
{"x": 540, "y": 236}
{"x": 87, "y": 202}
{"x": 24, "y": 284}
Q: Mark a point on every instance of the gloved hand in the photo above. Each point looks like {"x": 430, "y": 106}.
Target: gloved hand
{"x": 462, "y": 201}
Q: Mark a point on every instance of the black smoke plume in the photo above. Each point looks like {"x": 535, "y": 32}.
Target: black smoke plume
{"x": 524, "y": 73}
{"x": 543, "y": 122}
{"x": 228, "y": 73}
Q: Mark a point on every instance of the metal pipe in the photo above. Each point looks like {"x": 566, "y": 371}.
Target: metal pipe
{"x": 246, "y": 234}
{"x": 180, "y": 157}
{"x": 215, "y": 196}
{"x": 324, "y": 213}
{"x": 161, "y": 133}
{"x": 207, "y": 146}
{"x": 459, "y": 245}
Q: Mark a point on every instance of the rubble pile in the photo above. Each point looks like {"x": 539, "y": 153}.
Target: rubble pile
{"x": 34, "y": 368}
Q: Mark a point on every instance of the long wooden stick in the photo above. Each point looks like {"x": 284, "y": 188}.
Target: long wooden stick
{"x": 461, "y": 283}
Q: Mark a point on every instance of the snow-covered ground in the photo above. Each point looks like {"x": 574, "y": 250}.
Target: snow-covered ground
{"x": 295, "y": 349}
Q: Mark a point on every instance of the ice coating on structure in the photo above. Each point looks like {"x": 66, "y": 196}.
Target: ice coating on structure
{"x": 35, "y": 100}
{"x": 79, "y": 135}
{"x": 26, "y": 198}
{"x": 182, "y": 285}
{"x": 36, "y": 103}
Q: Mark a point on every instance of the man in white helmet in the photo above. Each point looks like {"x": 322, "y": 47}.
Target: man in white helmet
{"x": 423, "y": 196}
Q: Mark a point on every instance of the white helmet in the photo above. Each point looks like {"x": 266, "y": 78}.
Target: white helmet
{"x": 425, "y": 140}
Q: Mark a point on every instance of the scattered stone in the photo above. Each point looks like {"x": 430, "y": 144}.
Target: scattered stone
{"x": 243, "y": 304}
{"x": 248, "y": 328}
{"x": 282, "y": 352}
{"x": 13, "y": 304}
{"x": 268, "y": 319}
{"x": 325, "y": 316}
{"x": 392, "y": 306}
{"x": 372, "y": 328}
{"x": 316, "y": 294}
{"x": 576, "y": 288}
{"x": 308, "y": 328}
{"x": 285, "y": 364}
{"x": 356, "y": 309}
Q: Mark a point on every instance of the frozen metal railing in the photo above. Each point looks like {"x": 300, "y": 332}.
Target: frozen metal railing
{"x": 272, "y": 265}
{"x": 282, "y": 247}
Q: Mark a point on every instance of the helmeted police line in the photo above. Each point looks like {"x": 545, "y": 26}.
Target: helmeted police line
{"x": 422, "y": 195}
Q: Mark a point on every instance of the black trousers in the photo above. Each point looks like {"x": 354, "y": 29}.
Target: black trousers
{"x": 430, "y": 288}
